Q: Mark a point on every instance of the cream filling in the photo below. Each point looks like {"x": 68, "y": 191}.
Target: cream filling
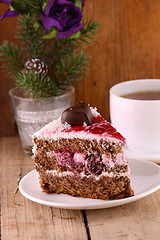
{"x": 108, "y": 161}
{"x": 82, "y": 174}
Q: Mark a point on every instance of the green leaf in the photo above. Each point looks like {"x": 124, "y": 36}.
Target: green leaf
{"x": 44, "y": 5}
{"x": 78, "y": 3}
{"x": 75, "y": 35}
{"x": 52, "y": 33}
{"x": 36, "y": 25}
{"x": 22, "y": 6}
{"x": 11, "y": 8}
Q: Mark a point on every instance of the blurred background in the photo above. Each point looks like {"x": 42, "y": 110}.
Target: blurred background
{"x": 127, "y": 47}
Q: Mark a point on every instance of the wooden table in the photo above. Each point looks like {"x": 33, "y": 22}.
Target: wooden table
{"x": 23, "y": 219}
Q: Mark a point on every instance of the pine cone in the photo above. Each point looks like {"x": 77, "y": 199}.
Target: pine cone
{"x": 36, "y": 66}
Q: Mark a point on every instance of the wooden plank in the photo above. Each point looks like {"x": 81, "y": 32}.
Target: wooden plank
{"x": 137, "y": 220}
{"x": 127, "y": 47}
{"x": 7, "y": 32}
{"x": 22, "y": 218}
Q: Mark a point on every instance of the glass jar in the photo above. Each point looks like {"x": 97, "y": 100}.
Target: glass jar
{"x": 32, "y": 114}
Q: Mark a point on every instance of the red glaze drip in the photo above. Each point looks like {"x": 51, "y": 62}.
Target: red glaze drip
{"x": 104, "y": 127}
{"x": 97, "y": 119}
{"x": 98, "y": 126}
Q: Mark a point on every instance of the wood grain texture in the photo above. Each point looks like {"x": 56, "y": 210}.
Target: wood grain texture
{"x": 7, "y": 32}
{"x": 127, "y": 47}
{"x": 135, "y": 221}
{"x": 22, "y": 218}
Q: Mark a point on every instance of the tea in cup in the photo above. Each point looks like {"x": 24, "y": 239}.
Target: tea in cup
{"x": 135, "y": 113}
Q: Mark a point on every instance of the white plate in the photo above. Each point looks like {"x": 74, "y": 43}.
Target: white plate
{"x": 145, "y": 179}
{"x": 153, "y": 157}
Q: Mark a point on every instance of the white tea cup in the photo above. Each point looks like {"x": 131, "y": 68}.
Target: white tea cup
{"x": 137, "y": 120}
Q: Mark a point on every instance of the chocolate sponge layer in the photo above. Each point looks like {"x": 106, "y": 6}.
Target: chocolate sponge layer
{"x": 88, "y": 186}
{"x": 78, "y": 145}
{"x": 105, "y": 188}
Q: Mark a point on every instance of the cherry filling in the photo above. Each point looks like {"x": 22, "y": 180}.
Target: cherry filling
{"x": 70, "y": 160}
{"x": 77, "y": 161}
{"x": 64, "y": 158}
{"x": 94, "y": 163}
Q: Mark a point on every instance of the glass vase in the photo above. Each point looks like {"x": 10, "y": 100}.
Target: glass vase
{"x": 32, "y": 114}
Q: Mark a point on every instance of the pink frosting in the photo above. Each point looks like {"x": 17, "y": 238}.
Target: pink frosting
{"x": 107, "y": 161}
{"x": 99, "y": 130}
{"x": 120, "y": 159}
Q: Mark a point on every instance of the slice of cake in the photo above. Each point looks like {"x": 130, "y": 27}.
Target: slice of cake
{"x": 80, "y": 154}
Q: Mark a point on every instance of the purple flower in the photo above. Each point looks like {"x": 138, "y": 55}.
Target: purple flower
{"x": 82, "y": 2}
{"x": 62, "y": 15}
{"x": 8, "y": 13}
{"x": 6, "y": 1}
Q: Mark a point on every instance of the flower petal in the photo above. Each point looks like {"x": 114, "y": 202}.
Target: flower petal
{"x": 63, "y": 15}
{"x": 9, "y": 13}
{"x": 49, "y": 6}
{"x": 6, "y": 1}
{"x": 50, "y": 22}
{"x": 82, "y": 2}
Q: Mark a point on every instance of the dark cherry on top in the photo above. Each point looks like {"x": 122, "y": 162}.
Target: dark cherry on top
{"x": 77, "y": 115}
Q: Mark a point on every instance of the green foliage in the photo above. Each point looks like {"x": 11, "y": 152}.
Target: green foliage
{"x": 78, "y": 3}
{"x": 89, "y": 30}
{"x": 66, "y": 47}
{"x": 36, "y": 85}
{"x": 65, "y": 58}
{"x": 69, "y": 71}
{"x": 30, "y": 36}
{"x": 60, "y": 48}
{"x": 12, "y": 57}
{"x": 25, "y": 6}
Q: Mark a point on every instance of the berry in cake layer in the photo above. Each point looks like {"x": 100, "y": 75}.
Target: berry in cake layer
{"x": 81, "y": 154}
